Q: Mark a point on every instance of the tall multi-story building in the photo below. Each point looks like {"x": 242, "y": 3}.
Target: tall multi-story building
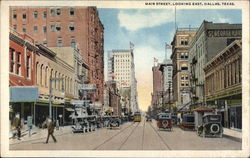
{"x": 181, "y": 74}
{"x": 210, "y": 39}
{"x": 167, "y": 69}
{"x": 67, "y": 27}
{"x": 157, "y": 95}
{"x": 121, "y": 66}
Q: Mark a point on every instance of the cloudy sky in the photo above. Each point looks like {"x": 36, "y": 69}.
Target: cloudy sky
{"x": 149, "y": 29}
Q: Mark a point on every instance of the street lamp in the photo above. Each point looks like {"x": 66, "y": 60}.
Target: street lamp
{"x": 50, "y": 93}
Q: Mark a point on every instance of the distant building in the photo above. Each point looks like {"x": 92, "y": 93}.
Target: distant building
{"x": 181, "y": 74}
{"x": 67, "y": 27}
{"x": 121, "y": 67}
{"x": 167, "y": 69}
{"x": 223, "y": 84}
{"x": 157, "y": 95}
{"x": 210, "y": 39}
{"x": 113, "y": 97}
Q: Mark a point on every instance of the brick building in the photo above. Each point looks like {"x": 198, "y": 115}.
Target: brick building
{"x": 22, "y": 57}
{"x": 67, "y": 27}
{"x": 181, "y": 73}
{"x": 157, "y": 95}
{"x": 223, "y": 84}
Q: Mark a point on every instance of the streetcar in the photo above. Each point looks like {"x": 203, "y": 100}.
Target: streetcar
{"x": 137, "y": 117}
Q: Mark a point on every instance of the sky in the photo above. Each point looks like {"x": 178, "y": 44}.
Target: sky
{"x": 149, "y": 30}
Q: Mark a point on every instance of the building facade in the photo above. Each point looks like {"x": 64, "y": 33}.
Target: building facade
{"x": 223, "y": 84}
{"x": 157, "y": 95}
{"x": 22, "y": 78}
{"x": 50, "y": 66}
{"x": 67, "y": 27}
{"x": 113, "y": 97}
{"x": 121, "y": 67}
{"x": 181, "y": 73}
{"x": 210, "y": 39}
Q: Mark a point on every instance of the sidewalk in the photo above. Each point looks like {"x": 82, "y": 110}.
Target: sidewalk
{"x": 37, "y": 133}
{"x": 232, "y": 134}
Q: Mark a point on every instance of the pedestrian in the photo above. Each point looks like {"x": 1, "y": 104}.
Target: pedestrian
{"x": 50, "y": 126}
{"x": 17, "y": 126}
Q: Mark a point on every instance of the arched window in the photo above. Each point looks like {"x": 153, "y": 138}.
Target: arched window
{"x": 37, "y": 73}
{"x": 41, "y": 75}
{"x": 55, "y": 80}
{"x": 51, "y": 76}
{"x": 59, "y": 82}
{"x": 46, "y": 77}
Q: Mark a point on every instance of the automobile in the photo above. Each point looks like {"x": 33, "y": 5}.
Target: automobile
{"x": 148, "y": 118}
{"x": 164, "y": 121}
{"x": 137, "y": 117}
{"x": 187, "y": 122}
{"x": 113, "y": 122}
{"x": 211, "y": 126}
{"x": 84, "y": 124}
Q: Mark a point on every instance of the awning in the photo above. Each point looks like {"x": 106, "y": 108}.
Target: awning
{"x": 23, "y": 94}
{"x": 70, "y": 109}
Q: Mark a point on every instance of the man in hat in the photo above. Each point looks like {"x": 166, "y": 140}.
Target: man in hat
{"x": 17, "y": 125}
{"x": 50, "y": 126}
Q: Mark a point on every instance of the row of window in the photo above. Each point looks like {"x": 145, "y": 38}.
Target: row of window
{"x": 60, "y": 43}
{"x": 183, "y": 84}
{"x": 43, "y": 73}
{"x": 53, "y": 12}
{"x": 53, "y": 28}
{"x": 16, "y": 64}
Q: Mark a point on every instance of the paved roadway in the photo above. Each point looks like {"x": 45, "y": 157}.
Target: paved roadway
{"x": 130, "y": 136}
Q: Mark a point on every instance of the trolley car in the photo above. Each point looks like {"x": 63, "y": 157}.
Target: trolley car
{"x": 137, "y": 117}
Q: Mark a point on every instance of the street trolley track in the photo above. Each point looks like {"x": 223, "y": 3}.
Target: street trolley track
{"x": 109, "y": 139}
{"x": 143, "y": 134}
{"x": 160, "y": 137}
{"x": 129, "y": 136}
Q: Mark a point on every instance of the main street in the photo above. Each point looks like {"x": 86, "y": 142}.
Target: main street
{"x": 130, "y": 136}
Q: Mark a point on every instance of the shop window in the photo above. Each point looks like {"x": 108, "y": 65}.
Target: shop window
{"x": 45, "y": 14}
{"x": 35, "y": 14}
{"x": 59, "y": 43}
{"x": 52, "y": 27}
{"x": 58, "y": 11}
{"x": 18, "y": 72}
{"x": 71, "y": 27}
{"x": 52, "y": 12}
{"x": 28, "y": 67}
{"x": 24, "y": 16}
{"x": 14, "y": 15}
{"x": 58, "y": 27}
{"x": 12, "y": 60}
{"x": 71, "y": 12}
{"x": 44, "y": 29}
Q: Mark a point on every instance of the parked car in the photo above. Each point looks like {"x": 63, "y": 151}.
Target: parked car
{"x": 113, "y": 122}
{"x": 164, "y": 121}
{"x": 211, "y": 126}
{"x": 187, "y": 122}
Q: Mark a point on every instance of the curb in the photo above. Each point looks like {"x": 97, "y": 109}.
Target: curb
{"x": 232, "y": 138}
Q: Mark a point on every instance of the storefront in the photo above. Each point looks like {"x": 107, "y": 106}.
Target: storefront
{"x": 22, "y": 100}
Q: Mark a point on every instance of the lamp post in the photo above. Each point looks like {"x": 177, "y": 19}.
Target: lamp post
{"x": 50, "y": 93}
